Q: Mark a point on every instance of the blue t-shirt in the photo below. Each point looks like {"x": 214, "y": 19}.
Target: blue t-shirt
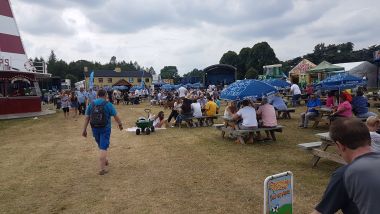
{"x": 91, "y": 95}
{"x": 109, "y": 110}
{"x": 359, "y": 105}
{"x": 278, "y": 103}
{"x": 81, "y": 96}
{"x": 312, "y": 103}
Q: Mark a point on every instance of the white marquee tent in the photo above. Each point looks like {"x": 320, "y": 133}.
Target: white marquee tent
{"x": 362, "y": 69}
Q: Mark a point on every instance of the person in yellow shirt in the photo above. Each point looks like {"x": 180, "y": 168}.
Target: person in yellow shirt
{"x": 210, "y": 107}
{"x": 210, "y": 110}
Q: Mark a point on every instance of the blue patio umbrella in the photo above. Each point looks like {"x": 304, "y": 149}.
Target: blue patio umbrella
{"x": 136, "y": 87}
{"x": 340, "y": 81}
{"x": 120, "y": 87}
{"x": 167, "y": 87}
{"x": 247, "y": 89}
{"x": 279, "y": 84}
{"x": 177, "y": 86}
{"x": 197, "y": 85}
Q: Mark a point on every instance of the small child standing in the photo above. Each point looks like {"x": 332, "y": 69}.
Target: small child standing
{"x": 65, "y": 102}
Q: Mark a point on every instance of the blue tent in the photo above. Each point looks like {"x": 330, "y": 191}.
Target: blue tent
{"x": 340, "y": 81}
{"x": 279, "y": 84}
{"x": 247, "y": 89}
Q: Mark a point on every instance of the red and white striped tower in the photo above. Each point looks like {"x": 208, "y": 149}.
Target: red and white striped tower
{"x": 12, "y": 53}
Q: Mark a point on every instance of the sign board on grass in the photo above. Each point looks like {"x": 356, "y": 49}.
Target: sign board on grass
{"x": 278, "y": 194}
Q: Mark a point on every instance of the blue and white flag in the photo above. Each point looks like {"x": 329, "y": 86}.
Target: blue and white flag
{"x": 91, "y": 82}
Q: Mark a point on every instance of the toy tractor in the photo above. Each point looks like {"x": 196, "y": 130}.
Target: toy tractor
{"x": 144, "y": 124}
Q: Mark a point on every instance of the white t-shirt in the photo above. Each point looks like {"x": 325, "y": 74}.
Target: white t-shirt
{"x": 294, "y": 89}
{"x": 196, "y": 107}
{"x": 248, "y": 114}
{"x": 182, "y": 91}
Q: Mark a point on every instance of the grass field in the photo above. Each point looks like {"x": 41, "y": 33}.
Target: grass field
{"x": 47, "y": 167}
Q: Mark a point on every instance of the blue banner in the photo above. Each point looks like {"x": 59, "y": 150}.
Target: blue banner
{"x": 91, "y": 82}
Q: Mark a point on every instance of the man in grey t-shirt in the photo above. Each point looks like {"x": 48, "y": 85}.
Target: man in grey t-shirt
{"x": 353, "y": 188}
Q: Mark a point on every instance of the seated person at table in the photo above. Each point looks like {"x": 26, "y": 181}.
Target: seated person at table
{"x": 176, "y": 108}
{"x": 210, "y": 109}
{"x": 278, "y": 103}
{"x": 360, "y": 106}
{"x": 311, "y": 111}
{"x": 267, "y": 116}
{"x": 355, "y": 187}
{"x": 373, "y": 124}
{"x": 246, "y": 117}
{"x": 344, "y": 108}
{"x": 230, "y": 110}
{"x": 330, "y": 101}
{"x": 159, "y": 121}
{"x": 197, "y": 112}
{"x": 185, "y": 112}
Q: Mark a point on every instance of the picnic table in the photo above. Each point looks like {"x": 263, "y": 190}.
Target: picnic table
{"x": 241, "y": 133}
{"x": 319, "y": 149}
{"x": 323, "y": 116}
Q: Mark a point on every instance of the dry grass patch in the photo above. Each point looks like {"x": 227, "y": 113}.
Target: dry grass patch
{"x": 47, "y": 167}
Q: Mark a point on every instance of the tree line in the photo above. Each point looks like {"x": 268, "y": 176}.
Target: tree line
{"x": 249, "y": 61}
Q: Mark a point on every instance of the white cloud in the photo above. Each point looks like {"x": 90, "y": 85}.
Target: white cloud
{"x": 189, "y": 34}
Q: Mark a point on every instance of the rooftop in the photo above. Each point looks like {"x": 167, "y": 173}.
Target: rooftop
{"x": 111, "y": 73}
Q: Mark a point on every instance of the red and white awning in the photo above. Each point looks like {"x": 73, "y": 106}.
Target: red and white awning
{"x": 12, "y": 53}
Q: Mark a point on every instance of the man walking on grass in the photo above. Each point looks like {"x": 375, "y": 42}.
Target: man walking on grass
{"x": 355, "y": 187}
{"x": 98, "y": 114}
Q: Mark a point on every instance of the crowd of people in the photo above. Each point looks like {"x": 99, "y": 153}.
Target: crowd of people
{"x": 352, "y": 189}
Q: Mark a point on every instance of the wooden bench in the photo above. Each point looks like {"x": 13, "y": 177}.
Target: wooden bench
{"x": 198, "y": 120}
{"x": 242, "y": 133}
{"x": 319, "y": 151}
{"x": 286, "y": 113}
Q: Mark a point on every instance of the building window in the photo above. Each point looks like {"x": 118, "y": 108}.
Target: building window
{"x": 109, "y": 80}
{"x": 138, "y": 79}
{"x": 100, "y": 80}
{"x": 146, "y": 79}
{"x": 130, "y": 79}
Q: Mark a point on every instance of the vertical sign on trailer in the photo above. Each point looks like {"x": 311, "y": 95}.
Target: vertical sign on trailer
{"x": 278, "y": 194}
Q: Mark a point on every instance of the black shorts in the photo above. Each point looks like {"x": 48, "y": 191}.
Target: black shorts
{"x": 65, "y": 109}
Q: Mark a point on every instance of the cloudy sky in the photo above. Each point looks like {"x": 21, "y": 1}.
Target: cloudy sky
{"x": 189, "y": 33}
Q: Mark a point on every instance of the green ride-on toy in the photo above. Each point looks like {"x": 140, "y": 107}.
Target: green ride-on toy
{"x": 144, "y": 124}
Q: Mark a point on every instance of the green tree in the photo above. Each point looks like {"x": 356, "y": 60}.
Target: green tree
{"x": 244, "y": 58}
{"x": 194, "y": 73}
{"x": 230, "y": 58}
{"x": 170, "y": 72}
{"x": 251, "y": 73}
{"x": 262, "y": 54}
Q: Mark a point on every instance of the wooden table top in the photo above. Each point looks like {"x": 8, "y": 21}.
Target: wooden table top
{"x": 324, "y": 136}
